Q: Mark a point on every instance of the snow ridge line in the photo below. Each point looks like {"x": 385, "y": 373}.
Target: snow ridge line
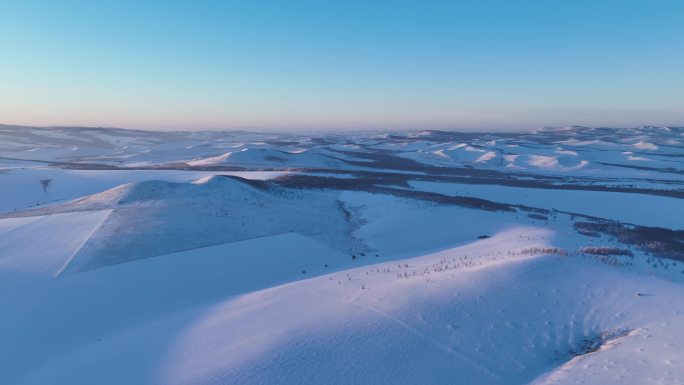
{"x": 86, "y": 239}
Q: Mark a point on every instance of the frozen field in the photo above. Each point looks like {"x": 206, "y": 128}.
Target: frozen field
{"x": 547, "y": 257}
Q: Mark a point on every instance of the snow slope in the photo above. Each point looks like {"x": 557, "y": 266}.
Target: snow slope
{"x": 21, "y": 186}
{"x": 36, "y": 248}
{"x": 485, "y": 313}
{"x": 105, "y": 302}
{"x": 406, "y": 227}
{"x": 154, "y": 218}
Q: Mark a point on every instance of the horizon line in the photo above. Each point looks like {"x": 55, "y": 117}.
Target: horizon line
{"x": 331, "y": 130}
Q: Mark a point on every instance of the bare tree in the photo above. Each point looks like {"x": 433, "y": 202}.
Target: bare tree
{"x": 44, "y": 183}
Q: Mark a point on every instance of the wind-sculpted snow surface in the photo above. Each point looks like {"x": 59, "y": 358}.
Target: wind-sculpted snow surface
{"x": 554, "y": 256}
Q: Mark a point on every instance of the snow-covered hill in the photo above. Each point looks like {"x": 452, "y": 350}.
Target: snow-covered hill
{"x": 570, "y": 150}
{"x": 547, "y": 257}
{"x": 505, "y": 310}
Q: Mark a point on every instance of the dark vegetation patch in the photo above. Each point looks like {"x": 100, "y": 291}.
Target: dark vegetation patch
{"x": 470, "y": 202}
{"x": 256, "y": 183}
{"x": 588, "y": 231}
{"x": 360, "y": 183}
{"x": 467, "y": 175}
{"x": 381, "y": 184}
{"x": 538, "y": 216}
{"x": 83, "y": 166}
{"x": 659, "y": 241}
{"x": 536, "y": 210}
{"x": 545, "y": 250}
{"x": 591, "y": 343}
{"x": 606, "y": 250}
{"x": 272, "y": 158}
{"x": 668, "y": 170}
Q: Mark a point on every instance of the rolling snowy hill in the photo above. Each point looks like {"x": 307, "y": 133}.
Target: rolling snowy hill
{"x": 547, "y": 257}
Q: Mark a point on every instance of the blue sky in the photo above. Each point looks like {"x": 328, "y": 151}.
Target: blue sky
{"x": 467, "y": 65}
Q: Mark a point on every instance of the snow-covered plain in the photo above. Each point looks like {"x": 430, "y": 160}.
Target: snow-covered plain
{"x": 640, "y": 209}
{"x": 546, "y": 257}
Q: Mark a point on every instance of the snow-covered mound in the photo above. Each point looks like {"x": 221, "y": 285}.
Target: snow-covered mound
{"x": 156, "y": 217}
{"x": 22, "y": 186}
{"x": 262, "y": 157}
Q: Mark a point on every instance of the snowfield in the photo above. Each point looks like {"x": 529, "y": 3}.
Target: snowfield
{"x": 547, "y": 257}
{"x": 484, "y": 313}
{"x": 640, "y": 209}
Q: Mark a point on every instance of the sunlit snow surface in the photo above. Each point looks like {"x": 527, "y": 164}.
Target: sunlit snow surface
{"x": 546, "y": 257}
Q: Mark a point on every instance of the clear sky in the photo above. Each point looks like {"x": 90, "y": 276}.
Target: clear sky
{"x": 467, "y": 65}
